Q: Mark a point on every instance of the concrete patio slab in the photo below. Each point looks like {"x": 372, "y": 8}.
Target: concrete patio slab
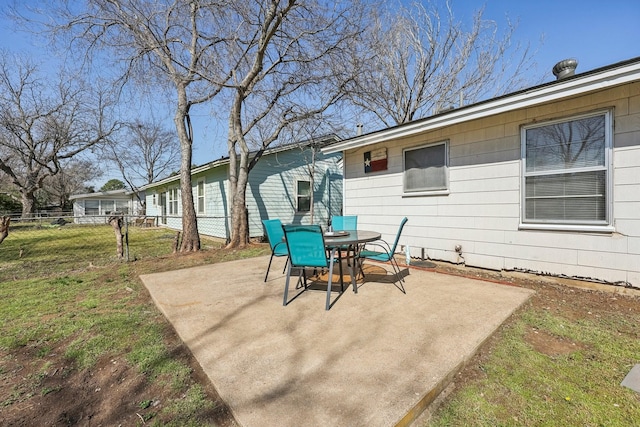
{"x": 377, "y": 358}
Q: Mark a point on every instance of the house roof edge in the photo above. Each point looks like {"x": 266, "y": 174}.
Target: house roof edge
{"x": 601, "y": 78}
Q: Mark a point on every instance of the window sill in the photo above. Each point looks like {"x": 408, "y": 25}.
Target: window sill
{"x": 603, "y": 229}
{"x": 427, "y": 193}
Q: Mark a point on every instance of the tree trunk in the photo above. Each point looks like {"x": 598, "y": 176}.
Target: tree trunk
{"x": 4, "y": 227}
{"x": 239, "y": 214}
{"x": 116, "y": 223}
{"x": 190, "y": 236}
{"x": 28, "y": 200}
{"x": 238, "y": 178}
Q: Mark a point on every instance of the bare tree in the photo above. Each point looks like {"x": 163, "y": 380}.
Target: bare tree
{"x": 289, "y": 69}
{"x": 71, "y": 179}
{"x": 169, "y": 43}
{"x": 44, "y": 123}
{"x": 419, "y": 60}
{"x": 144, "y": 153}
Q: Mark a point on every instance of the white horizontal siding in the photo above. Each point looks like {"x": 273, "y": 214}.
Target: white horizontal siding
{"x": 482, "y": 210}
{"x": 634, "y": 247}
{"x": 628, "y": 210}
{"x": 573, "y": 241}
{"x": 627, "y": 157}
{"x": 627, "y": 192}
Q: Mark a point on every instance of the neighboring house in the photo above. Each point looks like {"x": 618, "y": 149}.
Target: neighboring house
{"x": 92, "y": 208}
{"x": 279, "y": 187}
{"x": 543, "y": 180}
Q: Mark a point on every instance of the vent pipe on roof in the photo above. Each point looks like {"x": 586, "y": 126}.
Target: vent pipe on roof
{"x": 565, "y": 68}
{"x": 359, "y": 129}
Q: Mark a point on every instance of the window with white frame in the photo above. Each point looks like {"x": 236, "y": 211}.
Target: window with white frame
{"x": 173, "y": 201}
{"x": 426, "y": 168}
{"x": 92, "y": 207}
{"x": 303, "y": 198}
{"x": 567, "y": 171}
{"x": 200, "y": 196}
{"x": 122, "y": 206}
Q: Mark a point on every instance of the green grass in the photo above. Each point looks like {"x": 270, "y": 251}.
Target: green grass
{"x": 523, "y": 387}
{"x": 36, "y": 251}
{"x": 64, "y": 291}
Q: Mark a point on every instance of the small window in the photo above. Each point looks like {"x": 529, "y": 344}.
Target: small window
{"x": 566, "y": 171}
{"x": 173, "y": 201}
{"x": 154, "y": 199}
{"x": 92, "y": 207}
{"x": 122, "y": 206}
{"x": 200, "y": 191}
{"x": 304, "y": 196}
{"x": 425, "y": 168}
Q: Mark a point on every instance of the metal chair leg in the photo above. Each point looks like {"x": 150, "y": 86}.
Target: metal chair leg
{"x": 269, "y": 266}
{"x": 328, "y": 304}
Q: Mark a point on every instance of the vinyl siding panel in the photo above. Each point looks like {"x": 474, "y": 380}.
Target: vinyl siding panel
{"x": 271, "y": 192}
{"x": 481, "y": 211}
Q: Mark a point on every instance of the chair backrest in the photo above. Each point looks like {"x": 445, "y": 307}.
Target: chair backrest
{"x": 273, "y": 228}
{"x": 349, "y": 222}
{"x": 306, "y": 245}
{"x": 395, "y": 243}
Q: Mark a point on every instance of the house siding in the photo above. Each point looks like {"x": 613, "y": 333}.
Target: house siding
{"x": 106, "y": 203}
{"x": 482, "y": 210}
{"x": 272, "y": 188}
{"x": 271, "y": 193}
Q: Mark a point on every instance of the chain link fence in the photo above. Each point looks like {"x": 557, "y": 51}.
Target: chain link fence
{"x": 93, "y": 240}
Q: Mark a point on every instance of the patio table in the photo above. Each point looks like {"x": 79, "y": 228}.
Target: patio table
{"x": 333, "y": 240}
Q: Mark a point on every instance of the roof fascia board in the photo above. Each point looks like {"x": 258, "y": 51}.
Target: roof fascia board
{"x": 591, "y": 82}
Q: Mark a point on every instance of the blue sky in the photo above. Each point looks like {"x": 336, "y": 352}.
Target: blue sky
{"x": 596, "y": 33}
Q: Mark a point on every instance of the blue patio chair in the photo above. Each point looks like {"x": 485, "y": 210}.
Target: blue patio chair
{"x": 306, "y": 249}
{"x": 386, "y": 254}
{"x": 275, "y": 235}
{"x": 339, "y": 223}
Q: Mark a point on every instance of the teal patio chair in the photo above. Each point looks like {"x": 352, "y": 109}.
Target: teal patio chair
{"x": 275, "y": 236}
{"x": 385, "y": 254}
{"x": 339, "y": 223}
{"x": 307, "y": 249}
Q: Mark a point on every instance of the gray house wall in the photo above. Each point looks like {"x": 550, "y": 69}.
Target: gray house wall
{"x": 482, "y": 209}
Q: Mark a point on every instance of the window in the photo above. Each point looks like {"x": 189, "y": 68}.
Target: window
{"x": 425, "y": 168}
{"x": 200, "y": 195}
{"x": 154, "y": 200}
{"x": 92, "y": 207}
{"x": 304, "y": 196}
{"x": 122, "y": 206}
{"x": 173, "y": 201}
{"x": 566, "y": 171}
{"x": 107, "y": 206}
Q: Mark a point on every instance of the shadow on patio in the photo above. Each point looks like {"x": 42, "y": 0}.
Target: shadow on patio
{"x": 377, "y": 358}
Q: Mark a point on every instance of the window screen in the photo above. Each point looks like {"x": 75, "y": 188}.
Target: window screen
{"x": 304, "y": 196}
{"x": 425, "y": 168}
{"x": 566, "y": 171}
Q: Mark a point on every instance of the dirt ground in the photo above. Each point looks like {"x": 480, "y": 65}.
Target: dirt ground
{"x": 112, "y": 393}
